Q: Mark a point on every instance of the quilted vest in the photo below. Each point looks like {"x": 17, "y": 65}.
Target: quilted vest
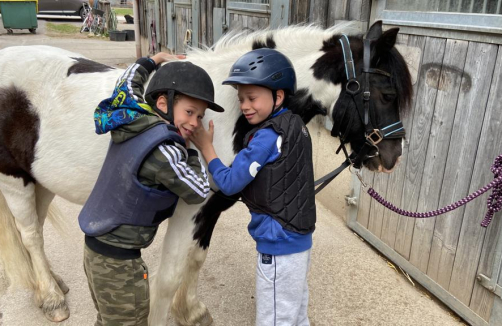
{"x": 284, "y": 189}
{"x": 118, "y": 197}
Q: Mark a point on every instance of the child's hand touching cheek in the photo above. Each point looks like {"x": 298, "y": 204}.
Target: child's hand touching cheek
{"x": 203, "y": 140}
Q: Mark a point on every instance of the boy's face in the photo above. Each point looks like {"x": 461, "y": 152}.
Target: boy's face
{"x": 256, "y": 102}
{"x": 188, "y": 113}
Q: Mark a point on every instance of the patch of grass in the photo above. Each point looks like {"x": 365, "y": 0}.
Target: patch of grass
{"x": 63, "y": 28}
{"x": 123, "y": 11}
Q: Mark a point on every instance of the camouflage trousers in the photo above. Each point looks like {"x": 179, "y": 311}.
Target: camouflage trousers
{"x": 119, "y": 289}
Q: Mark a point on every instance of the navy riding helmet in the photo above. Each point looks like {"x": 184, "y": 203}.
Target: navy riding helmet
{"x": 264, "y": 67}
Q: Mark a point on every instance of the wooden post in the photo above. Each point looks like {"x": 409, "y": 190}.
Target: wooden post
{"x": 105, "y": 6}
{"x": 137, "y": 35}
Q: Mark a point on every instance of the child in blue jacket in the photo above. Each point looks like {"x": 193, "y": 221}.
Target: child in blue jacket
{"x": 274, "y": 174}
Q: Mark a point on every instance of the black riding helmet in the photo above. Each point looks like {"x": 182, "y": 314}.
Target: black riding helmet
{"x": 184, "y": 78}
{"x": 264, "y": 67}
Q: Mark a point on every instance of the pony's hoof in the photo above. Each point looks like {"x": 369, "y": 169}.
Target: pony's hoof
{"x": 57, "y": 314}
{"x": 207, "y": 320}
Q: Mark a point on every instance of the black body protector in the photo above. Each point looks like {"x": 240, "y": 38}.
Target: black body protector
{"x": 284, "y": 189}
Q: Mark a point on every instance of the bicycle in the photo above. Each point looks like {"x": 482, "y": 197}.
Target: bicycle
{"x": 98, "y": 25}
{"x": 86, "y": 24}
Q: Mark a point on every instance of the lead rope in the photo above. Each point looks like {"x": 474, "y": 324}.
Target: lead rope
{"x": 494, "y": 202}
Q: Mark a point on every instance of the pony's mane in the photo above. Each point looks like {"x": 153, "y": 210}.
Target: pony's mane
{"x": 401, "y": 79}
{"x": 306, "y": 37}
{"x": 301, "y": 41}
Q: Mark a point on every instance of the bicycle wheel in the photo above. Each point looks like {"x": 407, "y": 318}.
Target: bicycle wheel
{"x": 85, "y": 27}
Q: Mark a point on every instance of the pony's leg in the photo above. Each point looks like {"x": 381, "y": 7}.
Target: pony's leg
{"x": 186, "y": 308}
{"x": 21, "y": 199}
{"x": 177, "y": 243}
{"x": 44, "y": 198}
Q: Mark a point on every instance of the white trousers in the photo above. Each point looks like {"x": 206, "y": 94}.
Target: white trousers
{"x": 282, "y": 292}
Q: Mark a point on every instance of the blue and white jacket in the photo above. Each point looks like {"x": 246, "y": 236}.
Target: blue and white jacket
{"x": 265, "y": 148}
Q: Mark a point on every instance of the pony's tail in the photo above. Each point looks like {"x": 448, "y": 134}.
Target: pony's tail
{"x": 14, "y": 257}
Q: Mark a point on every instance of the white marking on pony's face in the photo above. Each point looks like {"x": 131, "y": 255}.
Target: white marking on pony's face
{"x": 253, "y": 169}
{"x": 279, "y": 143}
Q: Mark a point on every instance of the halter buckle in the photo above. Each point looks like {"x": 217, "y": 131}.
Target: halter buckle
{"x": 375, "y": 137}
{"x": 366, "y": 96}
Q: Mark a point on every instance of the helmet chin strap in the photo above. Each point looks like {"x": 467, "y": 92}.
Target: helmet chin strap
{"x": 169, "y": 116}
{"x": 274, "y": 109}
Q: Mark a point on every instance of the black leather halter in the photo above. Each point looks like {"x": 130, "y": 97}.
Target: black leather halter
{"x": 361, "y": 97}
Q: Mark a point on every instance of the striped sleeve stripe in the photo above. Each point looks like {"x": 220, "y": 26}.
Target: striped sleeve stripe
{"x": 181, "y": 172}
{"x": 126, "y": 72}
{"x": 186, "y": 168}
{"x": 192, "y": 173}
{"x": 128, "y": 75}
{"x": 129, "y": 80}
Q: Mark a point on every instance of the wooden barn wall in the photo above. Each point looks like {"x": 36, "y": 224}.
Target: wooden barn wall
{"x": 454, "y": 133}
{"x": 323, "y": 12}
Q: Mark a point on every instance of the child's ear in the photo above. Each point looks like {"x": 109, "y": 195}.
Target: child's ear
{"x": 162, "y": 103}
{"x": 279, "y": 98}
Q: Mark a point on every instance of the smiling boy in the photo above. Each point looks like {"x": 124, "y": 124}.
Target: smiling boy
{"x": 274, "y": 175}
{"x": 147, "y": 168}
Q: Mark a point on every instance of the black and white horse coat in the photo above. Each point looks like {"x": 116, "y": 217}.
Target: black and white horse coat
{"x": 48, "y": 147}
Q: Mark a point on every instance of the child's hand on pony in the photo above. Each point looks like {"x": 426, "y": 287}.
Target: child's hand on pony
{"x": 166, "y": 57}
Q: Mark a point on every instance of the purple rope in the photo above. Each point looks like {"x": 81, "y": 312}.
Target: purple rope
{"x": 494, "y": 200}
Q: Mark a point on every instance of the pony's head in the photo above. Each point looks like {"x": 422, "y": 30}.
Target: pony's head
{"x": 373, "y": 97}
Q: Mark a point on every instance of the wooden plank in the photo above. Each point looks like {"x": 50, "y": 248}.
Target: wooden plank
{"x": 470, "y": 242}
{"x": 263, "y": 22}
{"x": 204, "y": 21}
{"x": 377, "y": 210}
{"x": 365, "y": 10}
{"x": 355, "y": 10}
{"x": 319, "y": 12}
{"x": 171, "y": 29}
{"x": 424, "y": 108}
{"x": 482, "y": 300}
{"x": 443, "y": 295}
{"x": 194, "y": 21}
{"x": 397, "y": 178}
{"x": 337, "y": 10}
{"x": 467, "y": 125}
{"x": 299, "y": 12}
{"x": 218, "y": 20}
{"x": 439, "y": 142}
{"x": 210, "y": 22}
{"x": 279, "y": 16}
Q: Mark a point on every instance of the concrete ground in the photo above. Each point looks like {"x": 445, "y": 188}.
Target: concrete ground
{"x": 350, "y": 283}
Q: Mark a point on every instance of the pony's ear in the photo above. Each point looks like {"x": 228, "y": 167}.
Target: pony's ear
{"x": 375, "y": 31}
{"x": 386, "y": 41}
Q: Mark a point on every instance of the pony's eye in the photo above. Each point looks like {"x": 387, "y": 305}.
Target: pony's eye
{"x": 388, "y": 97}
